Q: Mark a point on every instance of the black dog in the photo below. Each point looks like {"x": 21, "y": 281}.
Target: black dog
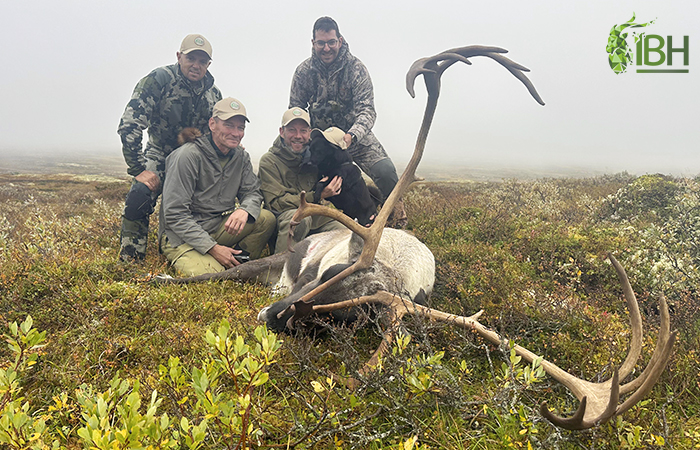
{"x": 354, "y": 199}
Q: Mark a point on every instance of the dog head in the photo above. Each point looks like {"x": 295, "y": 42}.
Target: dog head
{"x": 327, "y": 149}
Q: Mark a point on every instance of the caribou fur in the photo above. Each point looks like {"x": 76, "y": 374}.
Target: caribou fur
{"x": 403, "y": 266}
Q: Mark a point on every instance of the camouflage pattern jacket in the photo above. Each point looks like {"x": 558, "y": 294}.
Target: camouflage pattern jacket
{"x": 282, "y": 177}
{"x": 164, "y": 102}
{"x": 198, "y": 192}
{"x": 339, "y": 95}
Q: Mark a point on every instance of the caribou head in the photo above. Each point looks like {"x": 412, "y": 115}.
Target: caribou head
{"x": 325, "y": 275}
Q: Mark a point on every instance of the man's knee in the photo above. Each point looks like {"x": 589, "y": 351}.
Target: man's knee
{"x": 194, "y": 263}
{"x": 266, "y": 220}
{"x": 384, "y": 175}
{"x": 139, "y": 203}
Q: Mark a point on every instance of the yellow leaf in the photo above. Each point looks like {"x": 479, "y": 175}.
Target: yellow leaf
{"x": 410, "y": 443}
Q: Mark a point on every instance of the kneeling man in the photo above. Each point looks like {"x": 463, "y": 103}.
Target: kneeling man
{"x": 285, "y": 172}
{"x": 211, "y": 217}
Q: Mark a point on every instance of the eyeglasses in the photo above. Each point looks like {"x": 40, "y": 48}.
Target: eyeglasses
{"x": 332, "y": 43}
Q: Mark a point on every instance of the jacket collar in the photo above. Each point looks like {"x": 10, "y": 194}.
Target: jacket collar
{"x": 282, "y": 151}
{"x": 202, "y": 86}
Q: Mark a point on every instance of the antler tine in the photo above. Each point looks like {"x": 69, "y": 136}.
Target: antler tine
{"x": 660, "y": 353}
{"x": 635, "y": 320}
{"x": 307, "y": 209}
{"x": 599, "y": 401}
{"x": 643, "y": 384}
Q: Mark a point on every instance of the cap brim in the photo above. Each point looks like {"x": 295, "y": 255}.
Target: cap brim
{"x": 228, "y": 116}
{"x": 296, "y": 118}
{"x": 185, "y": 52}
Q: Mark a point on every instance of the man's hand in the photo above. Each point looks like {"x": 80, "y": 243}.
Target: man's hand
{"x": 236, "y": 221}
{"x": 226, "y": 256}
{"x": 348, "y": 139}
{"x": 150, "y": 179}
{"x": 333, "y": 188}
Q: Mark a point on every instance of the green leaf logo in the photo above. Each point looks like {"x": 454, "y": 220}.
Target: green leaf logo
{"x": 619, "y": 54}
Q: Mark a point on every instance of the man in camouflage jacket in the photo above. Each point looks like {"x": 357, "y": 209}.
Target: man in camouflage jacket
{"x": 165, "y": 102}
{"x": 336, "y": 88}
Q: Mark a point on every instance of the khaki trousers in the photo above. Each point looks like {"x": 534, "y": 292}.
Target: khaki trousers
{"x": 252, "y": 239}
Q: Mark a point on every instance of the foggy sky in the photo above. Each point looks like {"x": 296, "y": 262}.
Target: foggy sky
{"x": 70, "y": 67}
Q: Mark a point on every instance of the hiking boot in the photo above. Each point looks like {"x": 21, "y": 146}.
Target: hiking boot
{"x": 128, "y": 254}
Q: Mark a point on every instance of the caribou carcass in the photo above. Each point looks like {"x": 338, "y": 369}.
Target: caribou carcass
{"x": 599, "y": 402}
{"x": 403, "y": 265}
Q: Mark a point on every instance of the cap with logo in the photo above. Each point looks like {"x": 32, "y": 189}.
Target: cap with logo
{"x": 293, "y": 114}
{"x": 229, "y": 107}
{"x": 194, "y": 42}
{"x": 334, "y": 135}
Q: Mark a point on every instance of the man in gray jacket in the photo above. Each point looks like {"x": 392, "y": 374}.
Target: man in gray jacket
{"x": 336, "y": 88}
{"x": 202, "y": 228}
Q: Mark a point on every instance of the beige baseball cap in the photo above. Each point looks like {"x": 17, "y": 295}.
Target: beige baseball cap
{"x": 194, "y": 42}
{"x": 334, "y": 135}
{"x": 229, "y": 107}
{"x": 295, "y": 113}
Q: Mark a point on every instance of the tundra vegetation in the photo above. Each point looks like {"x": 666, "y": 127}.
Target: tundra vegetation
{"x": 97, "y": 357}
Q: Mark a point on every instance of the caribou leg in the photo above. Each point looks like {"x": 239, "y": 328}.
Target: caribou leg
{"x": 264, "y": 270}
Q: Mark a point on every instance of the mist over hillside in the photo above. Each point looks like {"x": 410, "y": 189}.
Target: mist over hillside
{"x": 111, "y": 163}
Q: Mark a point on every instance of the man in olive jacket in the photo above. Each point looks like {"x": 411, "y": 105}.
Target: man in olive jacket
{"x": 284, "y": 172}
{"x": 202, "y": 229}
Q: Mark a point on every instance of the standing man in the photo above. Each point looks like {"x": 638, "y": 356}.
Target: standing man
{"x": 165, "y": 101}
{"x": 285, "y": 172}
{"x": 337, "y": 90}
{"x": 211, "y": 217}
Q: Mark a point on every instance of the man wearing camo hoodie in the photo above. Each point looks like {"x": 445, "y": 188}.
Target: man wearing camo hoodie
{"x": 165, "y": 102}
{"x": 336, "y": 89}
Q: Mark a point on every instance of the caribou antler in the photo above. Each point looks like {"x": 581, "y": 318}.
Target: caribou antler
{"x": 599, "y": 401}
{"x": 432, "y": 69}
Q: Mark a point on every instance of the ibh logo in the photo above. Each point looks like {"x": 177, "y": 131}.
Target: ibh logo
{"x": 620, "y": 55}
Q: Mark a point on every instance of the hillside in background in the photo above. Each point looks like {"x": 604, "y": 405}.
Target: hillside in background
{"x": 113, "y": 165}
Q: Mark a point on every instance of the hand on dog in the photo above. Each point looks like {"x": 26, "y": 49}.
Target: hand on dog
{"x": 333, "y": 188}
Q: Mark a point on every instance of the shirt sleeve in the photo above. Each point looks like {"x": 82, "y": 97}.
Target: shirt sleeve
{"x": 136, "y": 118}
{"x": 301, "y": 90}
{"x": 363, "y": 101}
